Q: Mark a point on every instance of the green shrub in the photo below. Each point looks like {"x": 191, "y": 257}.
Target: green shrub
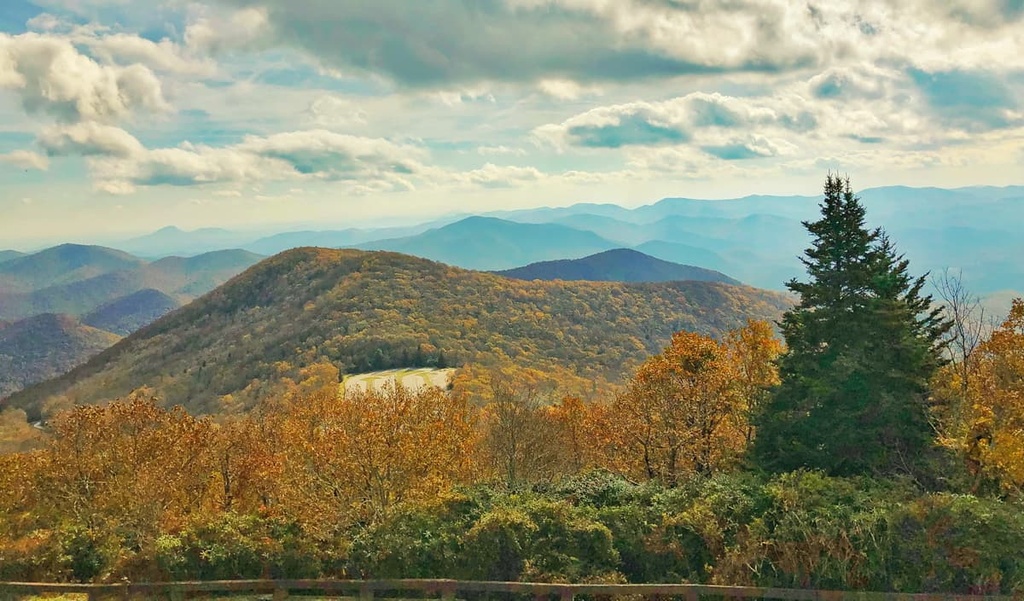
{"x": 539, "y": 539}
{"x": 416, "y": 541}
{"x": 954, "y": 543}
{"x": 233, "y": 546}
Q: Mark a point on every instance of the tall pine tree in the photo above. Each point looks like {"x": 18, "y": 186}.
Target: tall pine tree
{"x": 862, "y": 344}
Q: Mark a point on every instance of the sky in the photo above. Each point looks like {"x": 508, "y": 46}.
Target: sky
{"x": 124, "y": 116}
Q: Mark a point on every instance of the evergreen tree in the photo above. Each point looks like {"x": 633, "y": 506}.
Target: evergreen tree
{"x": 862, "y": 344}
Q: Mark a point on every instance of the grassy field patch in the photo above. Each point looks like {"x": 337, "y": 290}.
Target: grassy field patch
{"x": 413, "y": 379}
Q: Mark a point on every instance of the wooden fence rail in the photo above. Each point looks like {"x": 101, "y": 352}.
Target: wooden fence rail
{"x": 448, "y": 590}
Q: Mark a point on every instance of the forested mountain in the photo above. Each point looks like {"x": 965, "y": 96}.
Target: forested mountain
{"x": 372, "y": 310}
{"x": 126, "y": 314}
{"x": 616, "y": 265}
{"x": 193, "y": 276}
{"x": 76, "y": 279}
{"x": 100, "y": 294}
{"x": 490, "y": 243}
{"x": 7, "y": 255}
{"x": 45, "y": 346}
{"x": 63, "y": 264}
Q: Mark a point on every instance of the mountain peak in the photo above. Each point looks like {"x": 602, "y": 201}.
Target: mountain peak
{"x": 616, "y": 265}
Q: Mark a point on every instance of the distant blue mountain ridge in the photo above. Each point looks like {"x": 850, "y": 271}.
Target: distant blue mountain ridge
{"x": 755, "y": 239}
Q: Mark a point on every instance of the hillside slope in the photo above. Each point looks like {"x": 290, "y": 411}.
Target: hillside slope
{"x": 616, "y": 265}
{"x": 365, "y": 311}
{"x": 7, "y": 255}
{"x": 44, "y": 346}
{"x": 128, "y": 313}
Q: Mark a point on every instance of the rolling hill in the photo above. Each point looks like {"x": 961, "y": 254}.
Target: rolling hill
{"x": 44, "y": 346}
{"x": 366, "y": 311}
{"x": 86, "y": 285}
{"x": 193, "y": 276}
{"x": 63, "y": 264}
{"x": 491, "y": 243}
{"x": 128, "y": 313}
{"x": 7, "y": 255}
{"x": 616, "y": 265}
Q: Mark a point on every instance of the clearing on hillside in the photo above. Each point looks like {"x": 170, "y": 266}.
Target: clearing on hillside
{"x": 413, "y": 379}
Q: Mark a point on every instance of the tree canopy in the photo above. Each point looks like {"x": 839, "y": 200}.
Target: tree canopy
{"x": 863, "y": 342}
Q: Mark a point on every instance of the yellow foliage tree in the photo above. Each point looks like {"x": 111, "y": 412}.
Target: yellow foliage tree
{"x": 991, "y": 436}
{"x": 248, "y": 464}
{"x": 686, "y": 410}
{"x": 753, "y": 350}
{"x": 522, "y": 440}
{"x": 680, "y": 413}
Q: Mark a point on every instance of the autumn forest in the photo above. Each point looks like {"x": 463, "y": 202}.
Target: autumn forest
{"x": 864, "y": 432}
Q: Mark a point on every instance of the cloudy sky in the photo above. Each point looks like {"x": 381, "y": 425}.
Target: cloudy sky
{"x": 121, "y": 116}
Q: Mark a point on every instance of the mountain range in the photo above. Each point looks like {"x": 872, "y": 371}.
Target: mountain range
{"x": 62, "y": 305}
{"x": 364, "y": 311}
{"x": 77, "y": 279}
{"x": 755, "y": 239}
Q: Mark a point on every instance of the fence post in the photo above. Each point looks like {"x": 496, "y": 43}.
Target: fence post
{"x": 280, "y": 594}
{"x": 448, "y": 592}
{"x": 365, "y": 593}
{"x": 692, "y": 595}
{"x": 566, "y": 594}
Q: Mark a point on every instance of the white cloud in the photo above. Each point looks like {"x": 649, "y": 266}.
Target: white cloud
{"x": 44, "y": 22}
{"x": 697, "y": 117}
{"x": 216, "y": 32}
{"x": 331, "y": 111}
{"x": 565, "y": 89}
{"x": 26, "y": 159}
{"x": 500, "y": 150}
{"x": 50, "y": 75}
{"x": 362, "y": 163}
{"x": 87, "y": 139}
{"x": 495, "y": 176}
{"x": 464, "y": 96}
{"x": 165, "y": 55}
{"x": 560, "y": 45}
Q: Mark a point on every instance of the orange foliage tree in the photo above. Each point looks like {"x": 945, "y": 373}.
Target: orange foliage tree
{"x": 686, "y": 409}
{"x": 355, "y": 456}
{"x": 131, "y": 464}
